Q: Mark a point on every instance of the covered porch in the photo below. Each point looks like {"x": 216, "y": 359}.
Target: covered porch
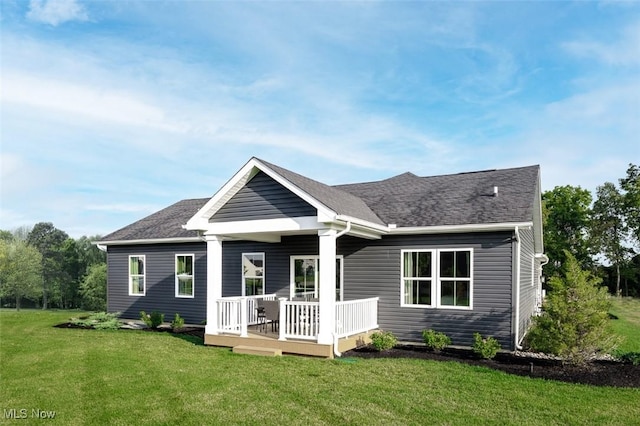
{"x": 297, "y": 327}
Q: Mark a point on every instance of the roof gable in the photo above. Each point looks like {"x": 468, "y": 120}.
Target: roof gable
{"x": 263, "y": 198}
{"x": 330, "y": 202}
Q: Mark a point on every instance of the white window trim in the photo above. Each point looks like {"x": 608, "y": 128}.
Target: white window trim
{"x": 436, "y": 280}
{"x": 264, "y": 272}
{"x": 193, "y": 276}
{"x": 292, "y": 274}
{"x": 144, "y": 275}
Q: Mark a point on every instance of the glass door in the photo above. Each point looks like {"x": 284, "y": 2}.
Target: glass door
{"x": 305, "y": 277}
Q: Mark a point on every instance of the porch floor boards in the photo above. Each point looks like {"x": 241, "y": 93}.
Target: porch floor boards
{"x": 269, "y": 339}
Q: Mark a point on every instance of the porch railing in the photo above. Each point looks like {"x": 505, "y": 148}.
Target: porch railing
{"x": 298, "y": 320}
{"x": 231, "y": 311}
{"x": 301, "y": 320}
{"x": 356, "y": 316}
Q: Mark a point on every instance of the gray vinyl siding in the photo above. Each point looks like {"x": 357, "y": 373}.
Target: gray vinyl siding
{"x": 277, "y": 262}
{"x": 372, "y": 269}
{"x": 528, "y": 287}
{"x": 263, "y": 198}
{"x": 160, "y": 281}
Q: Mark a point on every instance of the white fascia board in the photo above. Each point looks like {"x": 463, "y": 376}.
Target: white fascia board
{"x": 443, "y": 229}
{"x": 264, "y": 226}
{"x": 151, "y": 241}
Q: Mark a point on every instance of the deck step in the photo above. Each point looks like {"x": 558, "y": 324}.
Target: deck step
{"x": 255, "y": 350}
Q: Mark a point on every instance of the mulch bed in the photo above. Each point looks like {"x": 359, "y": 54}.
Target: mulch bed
{"x": 189, "y": 331}
{"x": 597, "y": 373}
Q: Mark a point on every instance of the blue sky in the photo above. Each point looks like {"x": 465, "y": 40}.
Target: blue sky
{"x": 113, "y": 110}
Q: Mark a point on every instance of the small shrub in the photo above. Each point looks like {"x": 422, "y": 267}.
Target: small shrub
{"x": 99, "y": 321}
{"x": 383, "y": 340}
{"x": 177, "y": 323}
{"x": 485, "y": 348}
{"x": 152, "y": 321}
{"x": 630, "y": 357}
{"x": 435, "y": 340}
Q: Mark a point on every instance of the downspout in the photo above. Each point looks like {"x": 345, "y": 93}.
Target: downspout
{"x": 517, "y": 322}
{"x": 336, "y": 352}
{"x": 345, "y": 230}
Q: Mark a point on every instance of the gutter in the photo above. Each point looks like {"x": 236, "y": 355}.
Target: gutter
{"x": 482, "y": 227}
{"x": 517, "y": 320}
{"x": 151, "y": 241}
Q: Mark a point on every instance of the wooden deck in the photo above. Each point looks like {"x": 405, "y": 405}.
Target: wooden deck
{"x": 260, "y": 338}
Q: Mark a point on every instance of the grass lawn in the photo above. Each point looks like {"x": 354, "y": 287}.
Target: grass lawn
{"x": 134, "y": 377}
{"x": 627, "y": 309}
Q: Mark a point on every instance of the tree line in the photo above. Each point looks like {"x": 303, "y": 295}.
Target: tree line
{"x": 602, "y": 232}
{"x": 43, "y": 267}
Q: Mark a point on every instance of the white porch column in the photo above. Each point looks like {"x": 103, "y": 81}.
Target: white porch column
{"x": 214, "y": 281}
{"x": 327, "y": 285}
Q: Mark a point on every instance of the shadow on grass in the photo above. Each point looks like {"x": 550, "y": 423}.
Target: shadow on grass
{"x": 193, "y": 338}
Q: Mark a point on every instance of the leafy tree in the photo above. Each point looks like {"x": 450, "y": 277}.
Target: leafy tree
{"x": 574, "y": 323}
{"x": 631, "y": 201}
{"x": 94, "y": 288}
{"x": 566, "y": 216}
{"x": 66, "y": 291}
{"x": 88, "y": 253}
{"x": 6, "y": 235}
{"x": 21, "y": 233}
{"x": 49, "y": 240}
{"x": 609, "y": 227}
{"x": 20, "y": 271}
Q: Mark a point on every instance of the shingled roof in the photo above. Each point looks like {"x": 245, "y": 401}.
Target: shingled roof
{"x": 459, "y": 199}
{"x": 164, "y": 224}
{"x": 405, "y": 200}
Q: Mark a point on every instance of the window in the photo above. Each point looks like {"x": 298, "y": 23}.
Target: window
{"x": 305, "y": 277}
{"x": 252, "y": 274}
{"x": 455, "y": 278}
{"x": 417, "y": 277}
{"x": 437, "y": 278}
{"x": 136, "y": 275}
{"x": 184, "y": 275}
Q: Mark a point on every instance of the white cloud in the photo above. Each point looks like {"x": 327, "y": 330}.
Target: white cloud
{"x": 103, "y": 104}
{"x": 623, "y": 52}
{"x": 55, "y": 12}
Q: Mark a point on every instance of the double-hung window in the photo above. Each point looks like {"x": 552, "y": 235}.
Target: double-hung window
{"x": 136, "y": 275}
{"x": 455, "y": 278}
{"x": 252, "y": 274}
{"x": 417, "y": 277}
{"x": 439, "y": 278}
{"x": 184, "y": 275}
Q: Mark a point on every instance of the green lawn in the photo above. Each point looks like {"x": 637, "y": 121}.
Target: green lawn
{"x": 627, "y": 325}
{"x": 133, "y": 377}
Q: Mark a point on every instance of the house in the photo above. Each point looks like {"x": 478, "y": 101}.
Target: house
{"x": 459, "y": 253}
